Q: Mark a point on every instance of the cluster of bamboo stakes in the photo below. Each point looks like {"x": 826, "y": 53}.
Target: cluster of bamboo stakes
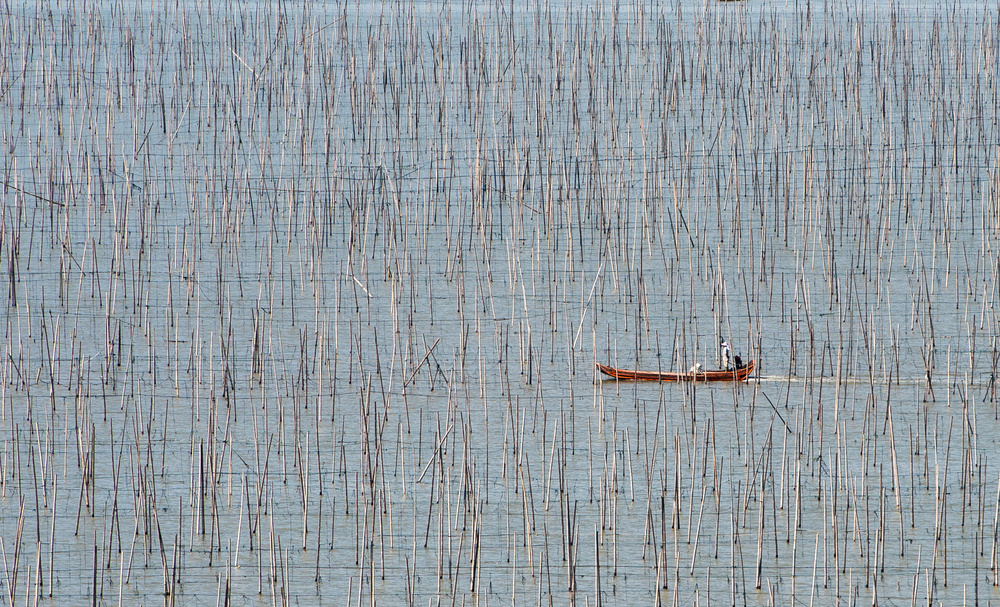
{"x": 303, "y": 303}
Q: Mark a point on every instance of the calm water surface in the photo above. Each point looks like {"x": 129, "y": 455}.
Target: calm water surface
{"x": 303, "y": 303}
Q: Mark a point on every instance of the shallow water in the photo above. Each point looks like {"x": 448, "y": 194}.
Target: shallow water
{"x": 303, "y": 303}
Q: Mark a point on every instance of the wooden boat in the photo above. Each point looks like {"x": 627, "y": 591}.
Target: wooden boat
{"x": 740, "y": 374}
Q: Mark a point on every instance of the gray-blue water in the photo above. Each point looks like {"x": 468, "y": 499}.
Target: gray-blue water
{"x": 303, "y": 303}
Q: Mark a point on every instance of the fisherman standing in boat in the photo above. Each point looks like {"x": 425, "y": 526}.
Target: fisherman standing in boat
{"x": 727, "y": 354}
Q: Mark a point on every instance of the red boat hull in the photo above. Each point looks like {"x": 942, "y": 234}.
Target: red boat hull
{"x": 710, "y": 375}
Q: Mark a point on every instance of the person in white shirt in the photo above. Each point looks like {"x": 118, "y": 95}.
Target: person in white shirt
{"x": 727, "y": 354}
